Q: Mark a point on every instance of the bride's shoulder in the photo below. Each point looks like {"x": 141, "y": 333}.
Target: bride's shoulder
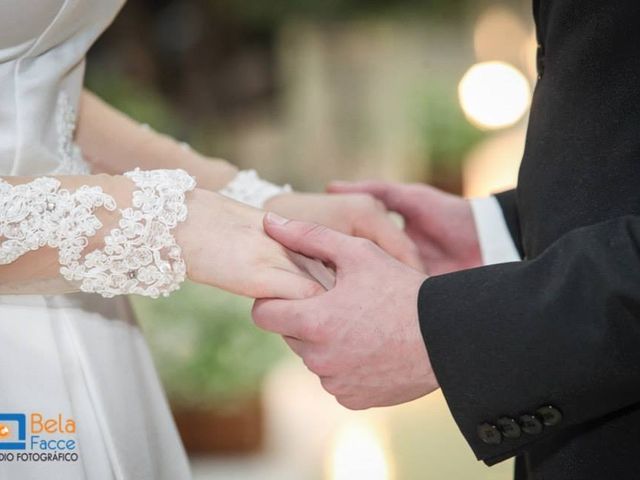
{"x": 34, "y": 26}
{"x": 24, "y": 21}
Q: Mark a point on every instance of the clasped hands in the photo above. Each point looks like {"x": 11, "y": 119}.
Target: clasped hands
{"x": 362, "y": 336}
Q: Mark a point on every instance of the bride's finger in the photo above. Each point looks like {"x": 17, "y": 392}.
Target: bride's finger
{"x": 315, "y": 268}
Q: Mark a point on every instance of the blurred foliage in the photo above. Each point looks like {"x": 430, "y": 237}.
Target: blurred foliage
{"x": 206, "y": 349}
{"x": 138, "y": 100}
{"x": 449, "y": 136}
{"x": 276, "y": 11}
{"x": 196, "y": 69}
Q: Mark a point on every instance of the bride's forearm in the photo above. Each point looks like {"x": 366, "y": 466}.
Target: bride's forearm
{"x": 114, "y": 143}
{"x": 143, "y": 233}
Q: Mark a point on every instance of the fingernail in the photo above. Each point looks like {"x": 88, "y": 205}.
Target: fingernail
{"x": 276, "y": 219}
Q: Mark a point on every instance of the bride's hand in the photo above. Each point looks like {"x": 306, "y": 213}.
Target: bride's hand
{"x": 224, "y": 245}
{"x": 354, "y": 214}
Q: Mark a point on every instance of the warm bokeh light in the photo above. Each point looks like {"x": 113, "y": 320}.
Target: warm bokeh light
{"x": 492, "y": 166}
{"x": 494, "y": 95}
{"x": 358, "y": 452}
{"x": 528, "y": 54}
{"x": 496, "y": 24}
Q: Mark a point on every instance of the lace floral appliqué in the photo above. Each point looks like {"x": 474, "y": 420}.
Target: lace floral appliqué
{"x": 141, "y": 256}
{"x": 39, "y": 214}
{"x": 248, "y": 188}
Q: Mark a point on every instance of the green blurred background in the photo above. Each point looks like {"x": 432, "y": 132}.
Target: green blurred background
{"x": 306, "y": 91}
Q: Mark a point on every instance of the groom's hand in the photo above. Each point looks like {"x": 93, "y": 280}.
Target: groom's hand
{"x": 440, "y": 224}
{"x": 362, "y": 337}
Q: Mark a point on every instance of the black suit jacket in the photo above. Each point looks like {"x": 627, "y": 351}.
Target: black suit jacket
{"x": 555, "y": 339}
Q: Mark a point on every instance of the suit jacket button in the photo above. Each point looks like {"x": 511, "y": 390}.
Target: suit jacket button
{"x": 550, "y": 416}
{"x": 530, "y": 424}
{"x": 509, "y": 427}
{"x": 489, "y": 434}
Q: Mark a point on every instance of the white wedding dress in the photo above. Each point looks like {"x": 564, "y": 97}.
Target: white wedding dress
{"x": 79, "y": 356}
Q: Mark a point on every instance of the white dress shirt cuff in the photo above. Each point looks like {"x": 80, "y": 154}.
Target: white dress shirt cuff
{"x": 496, "y": 243}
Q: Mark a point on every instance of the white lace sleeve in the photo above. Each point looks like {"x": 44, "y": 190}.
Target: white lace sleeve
{"x": 247, "y": 187}
{"x": 139, "y": 256}
{"x": 39, "y": 214}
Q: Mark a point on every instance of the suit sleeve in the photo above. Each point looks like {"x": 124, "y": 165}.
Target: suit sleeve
{"x": 552, "y": 340}
{"x": 509, "y": 204}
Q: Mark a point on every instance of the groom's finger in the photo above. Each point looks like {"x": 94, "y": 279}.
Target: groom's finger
{"x": 312, "y": 358}
{"x": 289, "y": 318}
{"x": 382, "y": 230}
{"x": 297, "y": 346}
{"x": 386, "y": 192}
{"x": 397, "y": 197}
{"x": 309, "y": 239}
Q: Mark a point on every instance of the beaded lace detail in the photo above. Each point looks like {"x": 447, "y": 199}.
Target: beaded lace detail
{"x": 70, "y": 155}
{"x": 247, "y": 187}
{"x": 39, "y": 213}
{"x": 140, "y": 256}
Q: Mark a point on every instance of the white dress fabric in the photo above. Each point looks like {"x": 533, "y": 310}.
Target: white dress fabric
{"x": 79, "y": 356}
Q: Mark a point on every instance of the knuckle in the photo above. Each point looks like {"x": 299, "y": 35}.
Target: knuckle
{"x": 314, "y": 230}
{"x": 363, "y": 246}
{"x": 351, "y": 403}
{"x": 316, "y": 364}
{"x": 256, "y": 311}
{"x": 365, "y": 202}
{"x": 312, "y": 289}
{"x": 328, "y": 367}
{"x": 259, "y": 319}
{"x": 324, "y": 330}
{"x": 330, "y": 385}
{"x": 380, "y": 206}
{"x": 265, "y": 316}
{"x": 309, "y": 331}
{"x": 261, "y": 323}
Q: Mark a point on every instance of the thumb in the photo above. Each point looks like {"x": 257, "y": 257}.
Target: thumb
{"x": 309, "y": 239}
{"x": 391, "y": 194}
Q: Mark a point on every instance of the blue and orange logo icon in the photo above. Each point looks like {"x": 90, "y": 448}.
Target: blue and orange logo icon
{"x": 13, "y": 431}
